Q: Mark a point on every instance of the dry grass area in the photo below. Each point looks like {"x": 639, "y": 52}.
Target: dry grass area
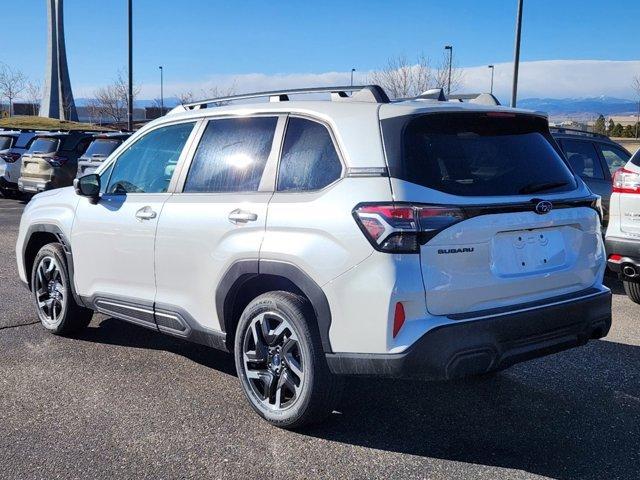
{"x": 41, "y": 123}
{"x": 630, "y": 144}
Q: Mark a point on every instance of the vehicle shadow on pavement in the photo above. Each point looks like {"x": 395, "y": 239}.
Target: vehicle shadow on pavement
{"x": 111, "y": 331}
{"x": 573, "y": 417}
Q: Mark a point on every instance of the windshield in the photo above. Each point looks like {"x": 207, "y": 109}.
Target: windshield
{"x": 5, "y": 142}
{"x": 482, "y": 154}
{"x": 44, "y": 145}
{"x": 101, "y": 147}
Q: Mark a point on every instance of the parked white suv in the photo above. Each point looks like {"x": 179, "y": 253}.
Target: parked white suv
{"x": 317, "y": 239}
{"x": 623, "y": 232}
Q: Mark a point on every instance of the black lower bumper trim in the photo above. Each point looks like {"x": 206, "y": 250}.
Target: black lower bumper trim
{"x": 478, "y": 346}
{"x": 629, "y": 251}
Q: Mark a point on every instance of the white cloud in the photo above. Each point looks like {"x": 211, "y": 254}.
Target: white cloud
{"x": 547, "y": 78}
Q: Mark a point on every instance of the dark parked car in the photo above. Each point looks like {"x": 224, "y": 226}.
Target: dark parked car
{"x": 11, "y": 158}
{"x": 100, "y": 148}
{"x": 52, "y": 160}
{"x": 595, "y": 158}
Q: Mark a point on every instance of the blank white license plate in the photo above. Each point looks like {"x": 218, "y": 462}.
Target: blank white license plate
{"x": 527, "y": 251}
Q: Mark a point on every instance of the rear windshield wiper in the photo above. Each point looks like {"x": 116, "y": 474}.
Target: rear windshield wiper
{"x": 540, "y": 187}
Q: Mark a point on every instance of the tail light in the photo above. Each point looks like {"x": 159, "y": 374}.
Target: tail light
{"x": 403, "y": 228}
{"x": 626, "y": 181}
{"x": 56, "y": 161}
{"x": 398, "y": 319}
{"x": 10, "y": 157}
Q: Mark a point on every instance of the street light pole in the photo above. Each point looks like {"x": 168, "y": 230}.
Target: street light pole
{"x": 450, "y": 48}
{"x": 492, "y": 70}
{"x": 161, "y": 91}
{"x": 130, "y": 99}
{"x": 516, "y": 55}
{"x": 352, "y": 70}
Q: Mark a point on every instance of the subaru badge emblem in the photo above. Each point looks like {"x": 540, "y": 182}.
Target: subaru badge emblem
{"x": 543, "y": 207}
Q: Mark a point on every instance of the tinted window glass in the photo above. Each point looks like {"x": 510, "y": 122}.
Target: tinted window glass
{"x": 148, "y": 164}
{"x": 104, "y": 178}
{"x": 583, "y": 157}
{"x": 24, "y": 140}
{"x": 231, "y": 155}
{"x": 616, "y": 157}
{"x": 482, "y": 154}
{"x": 44, "y": 145}
{"x": 101, "y": 148}
{"x": 309, "y": 160}
{"x": 636, "y": 158}
{"x": 5, "y": 142}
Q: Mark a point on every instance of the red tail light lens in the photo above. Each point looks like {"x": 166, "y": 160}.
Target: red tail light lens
{"x": 57, "y": 161}
{"x": 402, "y": 228}
{"x": 398, "y": 319}
{"x": 626, "y": 181}
{"x": 10, "y": 157}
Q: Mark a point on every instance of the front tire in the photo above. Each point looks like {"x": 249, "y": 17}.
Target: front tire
{"x": 280, "y": 361}
{"x": 632, "y": 290}
{"x": 51, "y": 288}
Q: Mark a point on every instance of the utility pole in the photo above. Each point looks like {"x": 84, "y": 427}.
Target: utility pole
{"x": 450, "y": 48}
{"x": 638, "y": 119}
{"x": 352, "y": 70}
{"x": 130, "y": 99}
{"x": 161, "y": 91}
{"x": 516, "y": 55}
{"x": 492, "y": 70}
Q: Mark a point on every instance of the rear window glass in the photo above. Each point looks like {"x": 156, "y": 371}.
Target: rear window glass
{"x": 44, "y": 145}
{"x": 473, "y": 154}
{"x": 24, "y": 140}
{"x": 636, "y": 158}
{"x": 101, "y": 148}
{"x": 5, "y": 142}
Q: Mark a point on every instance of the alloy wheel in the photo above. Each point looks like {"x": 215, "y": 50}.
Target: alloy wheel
{"x": 50, "y": 290}
{"x": 273, "y": 361}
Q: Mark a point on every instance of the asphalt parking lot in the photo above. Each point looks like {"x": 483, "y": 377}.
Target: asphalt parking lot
{"x": 120, "y": 401}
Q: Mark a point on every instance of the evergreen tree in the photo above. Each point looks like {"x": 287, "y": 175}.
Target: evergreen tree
{"x": 610, "y": 127}
{"x": 599, "y": 126}
{"x": 617, "y": 130}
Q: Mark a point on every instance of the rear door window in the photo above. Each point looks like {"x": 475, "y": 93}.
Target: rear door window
{"x": 231, "y": 155}
{"x": 615, "y": 157}
{"x": 44, "y": 145}
{"x": 583, "y": 157}
{"x": 481, "y": 154}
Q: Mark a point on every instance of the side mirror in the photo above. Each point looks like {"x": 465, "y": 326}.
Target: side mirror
{"x": 88, "y": 186}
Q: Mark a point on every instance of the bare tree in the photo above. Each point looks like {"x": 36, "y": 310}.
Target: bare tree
{"x": 111, "y": 101}
{"x": 212, "y": 92}
{"x": 400, "y": 78}
{"x": 33, "y": 95}
{"x": 442, "y": 75}
{"x": 12, "y": 83}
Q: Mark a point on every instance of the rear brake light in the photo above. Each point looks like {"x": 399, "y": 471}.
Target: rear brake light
{"x": 10, "y": 157}
{"x": 626, "y": 181}
{"x": 56, "y": 161}
{"x": 402, "y": 228}
{"x": 615, "y": 258}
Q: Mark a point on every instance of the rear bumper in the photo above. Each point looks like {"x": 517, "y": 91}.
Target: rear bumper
{"x": 629, "y": 251}
{"x": 34, "y": 185}
{"x": 463, "y": 348}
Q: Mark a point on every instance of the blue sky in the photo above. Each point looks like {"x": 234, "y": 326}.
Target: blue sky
{"x": 201, "y": 42}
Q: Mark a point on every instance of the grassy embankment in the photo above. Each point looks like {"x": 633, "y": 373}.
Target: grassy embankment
{"x": 41, "y": 123}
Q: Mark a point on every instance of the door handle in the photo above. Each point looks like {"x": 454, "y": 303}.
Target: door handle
{"x": 242, "y": 216}
{"x": 145, "y": 213}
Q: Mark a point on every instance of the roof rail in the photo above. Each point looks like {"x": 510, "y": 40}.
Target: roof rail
{"x": 576, "y": 131}
{"x": 477, "y": 98}
{"x": 362, "y": 93}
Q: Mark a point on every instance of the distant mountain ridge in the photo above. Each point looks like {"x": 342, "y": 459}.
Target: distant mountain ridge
{"x": 558, "y": 107}
{"x": 581, "y": 106}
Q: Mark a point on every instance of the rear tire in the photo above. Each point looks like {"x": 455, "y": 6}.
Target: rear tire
{"x": 632, "y": 290}
{"x": 51, "y": 289}
{"x": 280, "y": 361}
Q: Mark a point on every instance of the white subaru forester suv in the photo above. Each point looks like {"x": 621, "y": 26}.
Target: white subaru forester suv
{"x": 320, "y": 239}
{"x": 623, "y": 232}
